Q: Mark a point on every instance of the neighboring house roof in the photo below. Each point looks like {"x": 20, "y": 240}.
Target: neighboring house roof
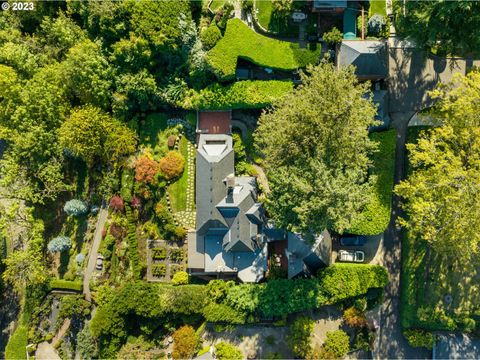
{"x": 329, "y": 4}
{"x": 306, "y": 257}
{"x": 229, "y": 220}
{"x": 214, "y": 122}
{"x": 456, "y": 346}
{"x": 369, "y": 57}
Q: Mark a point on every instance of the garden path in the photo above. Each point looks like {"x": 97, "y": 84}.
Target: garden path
{"x": 45, "y": 351}
{"x": 92, "y": 255}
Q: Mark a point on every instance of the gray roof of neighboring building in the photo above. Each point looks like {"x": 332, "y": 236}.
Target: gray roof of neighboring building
{"x": 303, "y": 256}
{"x": 456, "y": 346}
{"x": 369, "y": 57}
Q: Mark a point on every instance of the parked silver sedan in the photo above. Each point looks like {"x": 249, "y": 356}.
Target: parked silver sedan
{"x": 351, "y": 256}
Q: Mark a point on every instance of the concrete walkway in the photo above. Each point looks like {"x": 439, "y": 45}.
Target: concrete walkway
{"x": 45, "y": 351}
{"x": 92, "y": 255}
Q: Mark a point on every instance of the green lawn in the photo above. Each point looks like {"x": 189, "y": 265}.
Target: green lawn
{"x": 375, "y": 217}
{"x": 269, "y": 20}
{"x": 16, "y": 344}
{"x": 241, "y": 41}
{"x": 428, "y": 278}
{"x": 377, "y": 7}
{"x": 178, "y": 190}
{"x": 150, "y": 127}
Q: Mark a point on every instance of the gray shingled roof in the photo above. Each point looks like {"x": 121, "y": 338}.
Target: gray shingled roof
{"x": 228, "y": 222}
{"x": 369, "y": 57}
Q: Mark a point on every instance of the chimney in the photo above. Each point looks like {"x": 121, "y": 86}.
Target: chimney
{"x": 230, "y": 186}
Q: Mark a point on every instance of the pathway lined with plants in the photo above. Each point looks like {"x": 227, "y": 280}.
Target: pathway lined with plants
{"x": 92, "y": 255}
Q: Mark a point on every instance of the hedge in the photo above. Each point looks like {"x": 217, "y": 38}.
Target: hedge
{"x": 240, "y": 95}
{"x": 241, "y": 41}
{"x": 133, "y": 244}
{"x": 375, "y": 217}
{"x": 60, "y": 284}
{"x": 221, "y": 313}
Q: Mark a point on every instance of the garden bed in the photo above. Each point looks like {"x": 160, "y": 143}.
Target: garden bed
{"x": 241, "y": 41}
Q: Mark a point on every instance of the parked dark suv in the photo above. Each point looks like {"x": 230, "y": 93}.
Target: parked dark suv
{"x": 353, "y": 240}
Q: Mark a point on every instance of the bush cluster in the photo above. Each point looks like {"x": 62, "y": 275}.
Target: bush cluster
{"x": 76, "y": 207}
{"x": 419, "y": 338}
{"x": 227, "y": 351}
{"x": 59, "y": 244}
{"x": 246, "y": 94}
{"x": 210, "y": 36}
{"x": 172, "y": 165}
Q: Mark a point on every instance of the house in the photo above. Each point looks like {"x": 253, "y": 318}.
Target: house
{"x": 456, "y": 346}
{"x": 306, "y": 258}
{"x": 228, "y": 241}
{"x": 369, "y": 57}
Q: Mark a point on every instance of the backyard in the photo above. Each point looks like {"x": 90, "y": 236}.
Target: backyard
{"x": 274, "y": 21}
{"x": 241, "y": 41}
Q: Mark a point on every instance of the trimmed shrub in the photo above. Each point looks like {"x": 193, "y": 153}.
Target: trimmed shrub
{"x": 176, "y": 255}
{"x": 241, "y": 41}
{"x": 210, "y": 36}
{"x": 16, "y": 343}
{"x": 136, "y": 202}
{"x": 159, "y": 253}
{"x": 419, "y": 338}
{"x": 227, "y": 351}
{"x": 172, "y": 165}
{"x": 180, "y": 278}
{"x": 76, "y": 207}
{"x": 117, "y": 231}
{"x": 59, "y": 244}
{"x": 220, "y": 313}
{"x": 127, "y": 184}
{"x": 343, "y": 281}
{"x": 354, "y": 317}
{"x": 116, "y": 203}
{"x": 171, "y": 141}
{"x": 146, "y": 169}
{"x": 333, "y": 37}
{"x": 159, "y": 270}
{"x": 240, "y": 95}
{"x": 299, "y": 339}
{"x": 185, "y": 343}
{"x": 59, "y": 284}
{"x": 337, "y": 344}
{"x": 79, "y": 259}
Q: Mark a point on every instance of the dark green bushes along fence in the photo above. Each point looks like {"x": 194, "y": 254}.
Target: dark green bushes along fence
{"x": 153, "y": 304}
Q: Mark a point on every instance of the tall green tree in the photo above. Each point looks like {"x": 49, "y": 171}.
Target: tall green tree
{"x": 316, "y": 146}
{"x": 448, "y": 26}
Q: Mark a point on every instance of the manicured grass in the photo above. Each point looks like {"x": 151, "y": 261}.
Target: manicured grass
{"x": 241, "y": 95}
{"x": 61, "y": 284}
{"x": 16, "y": 344}
{"x": 375, "y": 217}
{"x": 241, "y": 41}
{"x": 271, "y": 21}
{"x": 178, "y": 190}
{"x": 377, "y": 7}
{"x": 151, "y": 126}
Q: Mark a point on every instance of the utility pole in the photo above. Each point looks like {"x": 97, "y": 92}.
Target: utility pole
{"x": 363, "y": 23}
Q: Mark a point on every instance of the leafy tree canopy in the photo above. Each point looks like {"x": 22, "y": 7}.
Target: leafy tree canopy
{"x": 316, "y": 146}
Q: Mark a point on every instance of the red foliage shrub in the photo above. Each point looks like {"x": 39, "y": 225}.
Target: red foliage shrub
{"x": 116, "y": 203}
{"x": 146, "y": 169}
{"x": 136, "y": 202}
{"x": 104, "y": 233}
{"x": 171, "y": 141}
{"x": 172, "y": 165}
{"x": 117, "y": 231}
